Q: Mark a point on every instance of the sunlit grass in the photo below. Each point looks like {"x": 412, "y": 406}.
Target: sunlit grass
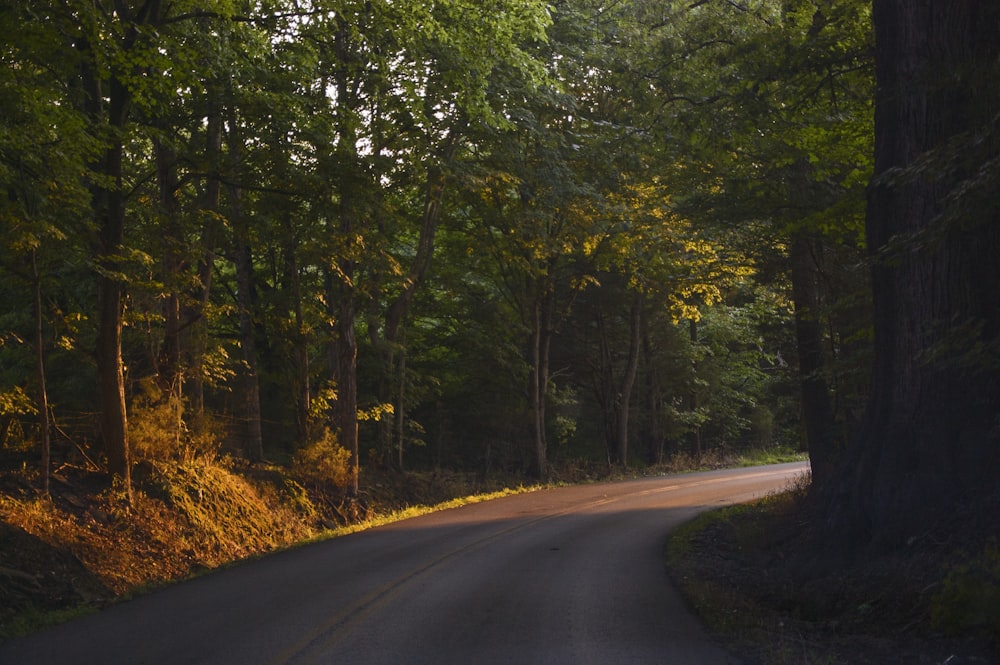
{"x": 415, "y": 511}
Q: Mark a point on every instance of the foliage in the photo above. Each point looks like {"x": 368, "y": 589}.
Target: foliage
{"x": 434, "y": 215}
{"x": 158, "y": 432}
{"x": 322, "y": 462}
{"x": 968, "y": 601}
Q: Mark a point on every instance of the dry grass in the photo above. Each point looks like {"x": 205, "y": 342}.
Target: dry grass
{"x": 85, "y": 545}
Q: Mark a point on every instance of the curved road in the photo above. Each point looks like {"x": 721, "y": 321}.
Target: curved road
{"x": 564, "y": 576}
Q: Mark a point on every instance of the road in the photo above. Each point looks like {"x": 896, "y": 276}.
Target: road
{"x": 570, "y": 576}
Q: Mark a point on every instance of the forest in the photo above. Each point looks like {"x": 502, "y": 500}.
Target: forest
{"x": 432, "y": 235}
{"x": 507, "y": 237}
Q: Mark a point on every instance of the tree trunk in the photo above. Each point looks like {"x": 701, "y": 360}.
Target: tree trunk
{"x": 248, "y": 343}
{"x": 401, "y": 406}
{"x": 694, "y": 400}
{"x": 108, "y": 111}
{"x": 540, "y": 343}
{"x": 653, "y": 436}
{"x": 244, "y": 297}
{"x": 817, "y": 414}
{"x": 395, "y": 315}
{"x": 347, "y": 383}
{"x": 624, "y": 397}
{"x": 170, "y": 373}
{"x": 194, "y": 314}
{"x": 929, "y": 442}
{"x": 109, "y": 205}
{"x": 302, "y": 393}
{"x": 43, "y": 395}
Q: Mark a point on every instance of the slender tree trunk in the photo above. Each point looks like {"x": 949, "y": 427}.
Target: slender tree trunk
{"x": 351, "y": 182}
{"x": 605, "y": 386}
{"x": 390, "y": 344}
{"x": 628, "y": 379}
{"x": 817, "y": 414}
{"x": 614, "y": 392}
{"x": 347, "y": 383}
{"x": 108, "y": 110}
{"x": 342, "y": 358}
{"x": 694, "y": 399}
{"x": 44, "y": 426}
{"x": 929, "y": 442}
{"x": 653, "y": 435}
{"x": 400, "y": 408}
{"x": 194, "y": 314}
{"x": 540, "y": 343}
{"x": 169, "y": 370}
{"x": 248, "y": 343}
{"x": 302, "y": 397}
{"x": 244, "y": 294}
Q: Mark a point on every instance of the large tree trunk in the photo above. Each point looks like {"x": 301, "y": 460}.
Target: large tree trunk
{"x": 109, "y": 109}
{"x": 930, "y": 440}
{"x": 817, "y": 413}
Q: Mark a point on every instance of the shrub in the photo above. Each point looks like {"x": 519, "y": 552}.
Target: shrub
{"x": 323, "y": 462}
{"x": 969, "y": 600}
{"x": 157, "y": 429}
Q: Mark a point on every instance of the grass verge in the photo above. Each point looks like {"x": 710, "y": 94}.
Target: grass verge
{"x": 753, "y": 574}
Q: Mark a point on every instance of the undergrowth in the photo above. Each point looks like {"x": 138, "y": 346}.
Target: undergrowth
{"x": 756, "y": 576}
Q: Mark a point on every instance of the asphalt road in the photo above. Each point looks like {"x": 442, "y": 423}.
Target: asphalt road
{"x": 566, "y": 576}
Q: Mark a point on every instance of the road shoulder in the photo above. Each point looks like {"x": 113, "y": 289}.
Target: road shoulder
{"x": 751, "y": 573}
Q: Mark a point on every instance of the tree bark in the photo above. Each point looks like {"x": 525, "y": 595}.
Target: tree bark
{"x": 653, "y": 437}
{"x": 108, "y": 110}
{"x": 194, "y": 314}
{"x": 694, "y": 399}
{"x": 929, "y": 442}
{"x": 244, "y": 295}
{"x": 628, "y": 379}
{"x": 347, "y": 383}
{"x": 817, "y": 413}
{"x": 43, "y": 396}
{"x": 538, "y": 387}
{"x": 109, "y": 205}
{"x": 301, "y": 388}
{"x": 248, "y": 343}
{"x": 170, "y": 373}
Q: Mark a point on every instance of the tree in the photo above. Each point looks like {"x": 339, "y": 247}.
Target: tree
{"x": 43, "y": 150}
{"x": 768, "y": 105}
{"x": 930, "y": 441}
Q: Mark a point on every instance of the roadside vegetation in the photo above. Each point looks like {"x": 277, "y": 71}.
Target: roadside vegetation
{"x": 754, "y": 573}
